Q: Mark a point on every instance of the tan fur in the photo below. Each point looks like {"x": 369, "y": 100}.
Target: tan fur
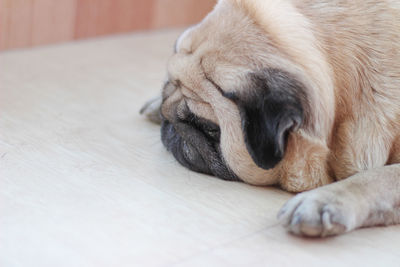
{"x": 395, "y": 153}
{"x": 347, "y": 54}
{"x": 305, "y": 166}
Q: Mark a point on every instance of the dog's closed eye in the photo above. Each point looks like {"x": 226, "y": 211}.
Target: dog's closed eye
{"x": 212, "y": 133}
{"x": 208, "y": 128}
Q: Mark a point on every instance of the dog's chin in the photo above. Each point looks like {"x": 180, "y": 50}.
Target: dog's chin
{"x": 194, "y": 150}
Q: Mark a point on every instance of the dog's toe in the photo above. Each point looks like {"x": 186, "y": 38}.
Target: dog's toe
{"x": 314, "y": 214}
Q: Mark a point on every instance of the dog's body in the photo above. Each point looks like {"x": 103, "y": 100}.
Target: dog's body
{"x": 295, "y": 92}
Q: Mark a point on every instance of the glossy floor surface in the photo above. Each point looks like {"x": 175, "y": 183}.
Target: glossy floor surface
{"x": 85, "y": 180}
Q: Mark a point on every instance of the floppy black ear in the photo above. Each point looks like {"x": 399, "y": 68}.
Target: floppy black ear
{"x": 270, "y": 109}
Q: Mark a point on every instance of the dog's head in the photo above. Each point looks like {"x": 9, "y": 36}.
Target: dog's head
{"x": 235, "y": 96}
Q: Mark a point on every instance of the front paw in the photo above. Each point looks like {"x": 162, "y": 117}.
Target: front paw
{"x": 151, "y": 110}
{"x": 318, "y": 212}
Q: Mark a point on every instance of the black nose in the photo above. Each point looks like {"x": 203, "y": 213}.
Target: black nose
{"x": 194, "y": 150}
{"x": 184, "y": 152}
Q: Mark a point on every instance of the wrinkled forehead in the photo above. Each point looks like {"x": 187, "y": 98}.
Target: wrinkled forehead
{"x": 212, "y": 59}
{"x": 184, "y": 91}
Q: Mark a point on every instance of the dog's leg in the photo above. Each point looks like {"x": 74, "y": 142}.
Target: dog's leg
{"x": 366, "y": 199}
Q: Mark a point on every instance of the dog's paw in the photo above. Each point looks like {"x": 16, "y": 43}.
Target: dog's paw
{"x": 151, "y": 109}
{"x": 317, "y": 213}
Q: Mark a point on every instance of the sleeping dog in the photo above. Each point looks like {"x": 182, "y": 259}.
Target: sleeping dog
{"x": 300, "y": 93}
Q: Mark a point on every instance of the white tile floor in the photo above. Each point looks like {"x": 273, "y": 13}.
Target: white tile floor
{"x": 85, "y": 181}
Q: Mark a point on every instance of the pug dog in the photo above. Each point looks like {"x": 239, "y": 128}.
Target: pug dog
{"x": 300, "y": 93}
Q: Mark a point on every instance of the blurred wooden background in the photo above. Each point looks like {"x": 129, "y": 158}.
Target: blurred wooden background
{"x": 26, "y": 23}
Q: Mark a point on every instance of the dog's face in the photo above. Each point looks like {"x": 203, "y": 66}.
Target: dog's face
{"x": 233, "y": 99}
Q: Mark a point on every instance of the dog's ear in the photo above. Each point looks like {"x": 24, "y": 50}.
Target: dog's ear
{"x": 270, "y": 109}
{"x": 151, "y": 110}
